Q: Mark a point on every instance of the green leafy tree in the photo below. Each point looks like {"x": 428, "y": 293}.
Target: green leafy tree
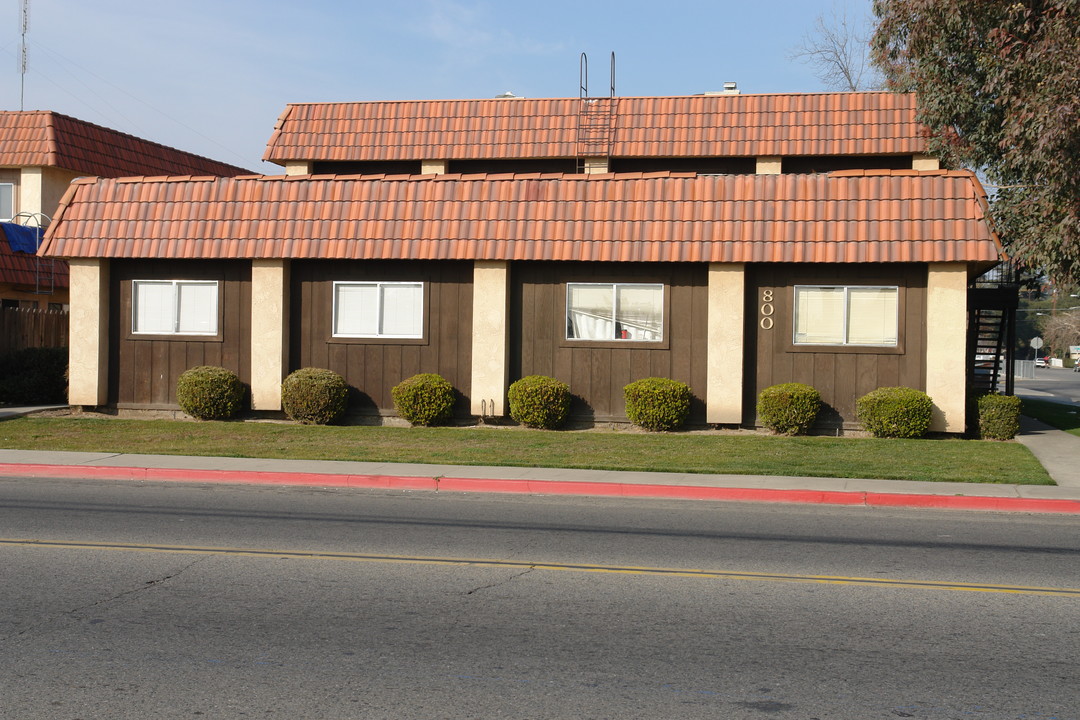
{"x": 998, "y": 83}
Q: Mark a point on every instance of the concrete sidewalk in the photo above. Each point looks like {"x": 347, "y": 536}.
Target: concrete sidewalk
{"x": 545, "y": 481}
{"x": 1059, "y": 452}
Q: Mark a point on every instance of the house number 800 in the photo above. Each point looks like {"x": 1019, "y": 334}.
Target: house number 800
{"x": 766, "y": 309}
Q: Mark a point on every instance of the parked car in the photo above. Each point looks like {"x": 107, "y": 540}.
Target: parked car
{"x": 1042, "y": 362}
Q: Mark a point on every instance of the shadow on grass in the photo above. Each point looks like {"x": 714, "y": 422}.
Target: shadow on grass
{"x": 1062, "y": 416}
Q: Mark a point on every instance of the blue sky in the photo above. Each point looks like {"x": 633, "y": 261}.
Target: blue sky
{"x": 212, "y": 77}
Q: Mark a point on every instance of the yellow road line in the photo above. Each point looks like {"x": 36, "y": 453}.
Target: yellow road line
{"x": 524, "y": 564}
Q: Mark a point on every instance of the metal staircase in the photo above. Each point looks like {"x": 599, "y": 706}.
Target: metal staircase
{"x": 991, "y": 339}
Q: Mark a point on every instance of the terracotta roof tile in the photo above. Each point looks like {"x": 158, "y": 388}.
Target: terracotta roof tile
{"x": 19, "y": 268}
{"x": 49, "y": 139}
{"x": 840, "y": 217}
{"x": 873, "y": 123}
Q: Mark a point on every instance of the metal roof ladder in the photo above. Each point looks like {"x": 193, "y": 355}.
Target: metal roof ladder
{"x": 596, "y": 120}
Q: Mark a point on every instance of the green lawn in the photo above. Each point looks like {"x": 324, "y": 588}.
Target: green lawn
{"x": 691, "y": 452}
{"x": 1064, "y": 417}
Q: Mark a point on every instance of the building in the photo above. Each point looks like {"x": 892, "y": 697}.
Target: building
{"x": 41, "y": 152}
{"x": 729, "y": 241}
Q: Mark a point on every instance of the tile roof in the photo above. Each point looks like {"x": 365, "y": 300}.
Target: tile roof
{"x": 864, "y": 123}
{"x": 42, "y": 138}
{"x": 19, "y": 268}
{"x": 845, "y": 216}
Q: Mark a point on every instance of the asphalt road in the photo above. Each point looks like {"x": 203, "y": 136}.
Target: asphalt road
{"x": 1063, "y": 384}
{"x": 179, "y": 601}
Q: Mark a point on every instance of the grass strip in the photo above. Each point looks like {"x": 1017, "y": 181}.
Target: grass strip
{"x": 1062, "y": 416}
{"x": 934, "y": 460}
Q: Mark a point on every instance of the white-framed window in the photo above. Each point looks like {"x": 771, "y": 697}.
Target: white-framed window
{"x": 7, "y": 201}
{"x": 631, "y": 312}
{"x": 379, "y": 309}
{"x": 859, "y": 315}
{"x": 174, "y": 307}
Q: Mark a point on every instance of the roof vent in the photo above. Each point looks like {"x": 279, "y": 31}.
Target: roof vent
{"x": 730, "y": 88}
{"x": 508, "y": 96}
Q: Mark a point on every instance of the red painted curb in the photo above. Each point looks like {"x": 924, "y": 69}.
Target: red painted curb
{"x": 820, "y": 497}
{"x": 549, "y": 487}
{"x": 688, "y": 492}
{"x": 969, "y": 502}
{"x": 105, "y": 472}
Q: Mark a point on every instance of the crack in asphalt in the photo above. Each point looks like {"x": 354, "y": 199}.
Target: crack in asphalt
{"x": 145, "y": 586}
{"x": 507, "y": 581}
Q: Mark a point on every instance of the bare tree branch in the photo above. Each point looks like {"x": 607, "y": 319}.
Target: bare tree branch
{"x": 838, "y": 49}
{"x": 1061, "y": 330}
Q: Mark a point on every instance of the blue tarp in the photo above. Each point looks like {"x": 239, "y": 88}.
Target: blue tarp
{"x": 22, "y": 238}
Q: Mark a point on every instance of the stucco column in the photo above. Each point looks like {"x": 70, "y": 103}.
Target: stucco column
{"x": 596, "y": 165}
{"x": 724, "y": 388}
{"x": 946, "y": 345}
{"x": 433, "y": 167}
{"x": 269, "y": 332}
{"x": 924, "y": 162}
{"x": 88, "y": 333}
{"x": 490, "y": 336}
{"x": 31, "y": 191}
{"x": 298, "y": 167}
{"x": 768, "y": 165}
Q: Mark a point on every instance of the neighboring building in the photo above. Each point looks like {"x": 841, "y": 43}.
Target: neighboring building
{"x": 791, "y": 238}
{"x": 41, "y": 152}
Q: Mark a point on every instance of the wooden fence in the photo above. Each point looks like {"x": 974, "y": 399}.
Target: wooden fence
{"x": 25, "y": 328}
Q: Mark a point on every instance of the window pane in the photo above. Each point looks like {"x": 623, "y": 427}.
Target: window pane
{"x": 7, "y": 201}
{"x": 154, "y": 308}
{"x": 198, "y": 308}
{"x": 640, "y": 312}
{"x": 403, "y": 310}
{"x": 819, "y": 315}
{"x": 872, "y": 316}
{"x": 590, "y": 312}
{"x": 356, "y": 310}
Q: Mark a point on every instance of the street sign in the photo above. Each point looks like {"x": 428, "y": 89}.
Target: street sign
{"x": 1036, "y": 342}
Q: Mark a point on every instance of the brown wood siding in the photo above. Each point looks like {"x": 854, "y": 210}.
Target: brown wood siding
{"x": 373, "y": 367}
{"x": 841, "y": 375}
{"x": 597, "y": 375}
{"x": 143, "y": 371}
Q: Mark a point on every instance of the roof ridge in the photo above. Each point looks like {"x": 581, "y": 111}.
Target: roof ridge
{"x": 519, "y": 177}
{"x": 617, "y": 97}
{"x": 52, "y": 151}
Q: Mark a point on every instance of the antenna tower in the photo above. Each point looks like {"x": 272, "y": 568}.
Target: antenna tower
{"x": 24, "y": 22}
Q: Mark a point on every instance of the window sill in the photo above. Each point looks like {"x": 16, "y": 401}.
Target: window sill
{"x": 897, "y": 349}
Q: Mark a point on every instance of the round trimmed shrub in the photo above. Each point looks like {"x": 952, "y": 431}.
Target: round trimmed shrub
{"x": 424, "y": 399}
{"x": 207, "y": 392}
{"x": 314, "y": 396}
{"x": 895, "y": 412}
{"x": 789, "y": 408}
{"x": 657, "y": 403}
{"x": 539, "y": 401}
{"x": 999, "y": 416}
